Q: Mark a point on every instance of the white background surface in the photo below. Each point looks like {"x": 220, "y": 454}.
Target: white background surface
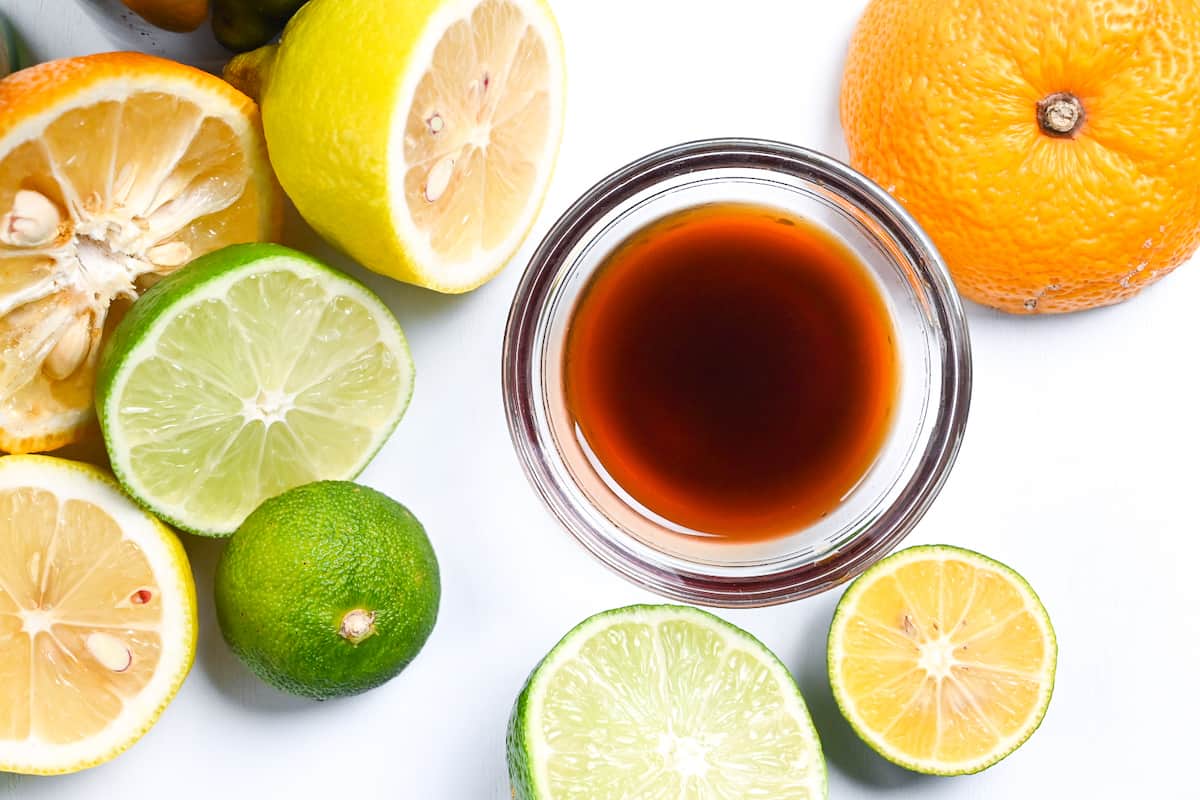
{"x": 1079, "y": 469}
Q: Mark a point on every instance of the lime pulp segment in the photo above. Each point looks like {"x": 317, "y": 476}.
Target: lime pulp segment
{"x": 663, "y": 702}
{"x": 269, "y": 374}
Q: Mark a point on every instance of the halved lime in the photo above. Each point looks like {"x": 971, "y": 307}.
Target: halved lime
{"x": 253, "y": 370}
{"x": 662, "y": 702}
{"x": 942, "y": 660}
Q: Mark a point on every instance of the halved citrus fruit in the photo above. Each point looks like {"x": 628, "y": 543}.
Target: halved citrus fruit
{"x": 97, "y": 617}
{"x": 662, "y": 702}
{"x": 942, "y": 659}
{"x": 115, "y": 169}
{"x": 255, "y": 370}
{"x": 426, "y": 155}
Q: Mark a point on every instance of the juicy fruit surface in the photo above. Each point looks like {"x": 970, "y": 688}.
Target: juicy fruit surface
{"x": 255, "y": 370}
{"x": 306, "y": 559}
{"x": 97, "y": 617}
{"x": 456, "y": 118}
{"x": 662, "y": 702}
{"x": 939, "y": 106}
{"x": 942, "y": 660}
{"x": 115, "y": 170}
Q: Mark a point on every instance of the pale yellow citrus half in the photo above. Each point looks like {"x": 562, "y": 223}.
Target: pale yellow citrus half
{"x": 97, "y": 617}
{"x": 418, "y": 137}
{"x": 942, "y": 659}
{"x": 115, "y": 169}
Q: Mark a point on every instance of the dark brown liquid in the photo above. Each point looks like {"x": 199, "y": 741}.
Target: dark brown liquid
{"x": 734, "y": 370}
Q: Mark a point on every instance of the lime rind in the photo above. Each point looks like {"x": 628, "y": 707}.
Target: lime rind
{"x": 293, "y": 575}
{"x": 834, "y": 646}
{"x": 527, "y": 748}
{"x": 212, "y": 277}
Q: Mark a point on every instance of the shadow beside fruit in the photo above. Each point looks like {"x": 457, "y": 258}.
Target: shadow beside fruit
{"x": 34, "y": 787}
{"x": 416, "y": 308}
{"x": 232, "y": 678}
{"x": 845, "y": 753}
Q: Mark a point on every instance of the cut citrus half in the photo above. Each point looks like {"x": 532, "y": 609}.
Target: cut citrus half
{"x": 942, "y": 659}
{"x": 97, "y": 617}
{"x": 454, "y": 112}
{"x": 115, "y": 169}
{"x": 662, "y": 702}
{"x": 254, "y": 370}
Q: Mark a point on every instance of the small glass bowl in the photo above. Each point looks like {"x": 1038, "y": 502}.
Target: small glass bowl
{"x": 933, "y": 396}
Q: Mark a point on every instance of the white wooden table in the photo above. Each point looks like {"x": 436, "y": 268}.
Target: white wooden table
{"x": 1079, "y": 469}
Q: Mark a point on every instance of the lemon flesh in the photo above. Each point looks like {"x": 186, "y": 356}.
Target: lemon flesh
{"x": 426, "y": 155}
{"x": 255, "y": 370}
{"x": 942, "y": 659}
{"x": 662, "y": 702}
{"x": 115, "y": 170}
{"x": 97, "y": 617}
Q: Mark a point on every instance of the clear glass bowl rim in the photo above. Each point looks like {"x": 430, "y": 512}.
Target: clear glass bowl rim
{"x": 537, "y": 287}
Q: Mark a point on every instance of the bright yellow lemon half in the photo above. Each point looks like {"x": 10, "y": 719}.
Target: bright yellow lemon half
{"x": 97, "y": 617}
{"x": 418, "y": 137}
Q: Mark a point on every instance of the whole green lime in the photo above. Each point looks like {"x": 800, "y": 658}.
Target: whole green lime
{"x": 329, "y": 589}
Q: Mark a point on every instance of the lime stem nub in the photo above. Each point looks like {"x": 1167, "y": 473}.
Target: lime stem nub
{"x": 357, "y": 625}
{"x": 1061, "y": 115}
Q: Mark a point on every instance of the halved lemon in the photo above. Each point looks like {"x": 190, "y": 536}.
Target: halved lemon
{"x": 115, "y": 169}
{"x": 97, "y": 617}
{"x": 418, "y": 137}
{"x": 942, "y": 659}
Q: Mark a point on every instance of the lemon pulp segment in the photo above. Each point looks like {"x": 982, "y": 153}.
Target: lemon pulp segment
{"x": 97, "y": 617}
{"x": 942, "y": 659}
{"x": 103, "y": 190}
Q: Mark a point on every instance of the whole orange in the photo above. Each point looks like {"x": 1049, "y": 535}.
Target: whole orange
{"x": 1051, "y": 148}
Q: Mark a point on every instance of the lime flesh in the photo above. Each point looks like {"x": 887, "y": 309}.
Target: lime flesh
{"x": 253, "y": 370}
{"x": 659, "y": 703}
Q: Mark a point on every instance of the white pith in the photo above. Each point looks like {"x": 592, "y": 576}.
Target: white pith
{"x": 99, "y": 250}
{"x": 268, "y": 404}
{"x": 938, "y": 656}
{"x": 684, "y": 752}
{"x": 176, "y": 629}
{"x": 417, "y": 241}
